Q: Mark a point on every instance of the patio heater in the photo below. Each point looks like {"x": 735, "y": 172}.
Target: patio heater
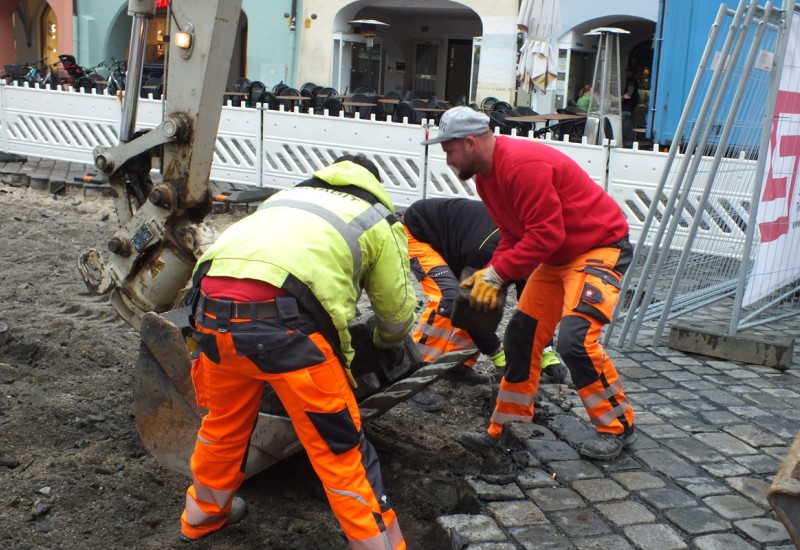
{"x": 369, "y": 30}
{"x": 605, "y": 106}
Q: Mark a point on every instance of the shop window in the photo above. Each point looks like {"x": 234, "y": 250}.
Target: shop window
{"x": 49, "y": 34}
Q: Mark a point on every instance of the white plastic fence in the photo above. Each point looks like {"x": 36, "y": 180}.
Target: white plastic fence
{"x": 277, "y": 149}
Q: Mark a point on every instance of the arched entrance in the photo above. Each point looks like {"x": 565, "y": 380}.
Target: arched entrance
{"x": 425, "y": 47}
{"x": 158, "y": 30}
{"x": 577, "y": 55}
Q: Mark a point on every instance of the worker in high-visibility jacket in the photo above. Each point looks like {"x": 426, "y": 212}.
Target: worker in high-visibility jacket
{"x": 445, "y": 236}
{"x": 275, "y": 295}
{"x": 571, "y": 236}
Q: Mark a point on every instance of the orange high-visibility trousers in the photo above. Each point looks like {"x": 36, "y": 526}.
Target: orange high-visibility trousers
{"x": 581, "y": 294}
{"x": 325, "y": 416}
{"x": 434, "y": 334}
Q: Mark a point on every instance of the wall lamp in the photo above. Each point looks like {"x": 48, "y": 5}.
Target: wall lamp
{"x": 184, "y": 39}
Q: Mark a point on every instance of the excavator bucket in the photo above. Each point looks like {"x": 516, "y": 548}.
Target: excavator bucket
{"x": 784, "y": 494}
{"x": 167, "y": 415}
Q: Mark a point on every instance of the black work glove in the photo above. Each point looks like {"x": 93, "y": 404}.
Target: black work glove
{"x": 394, "y": 356}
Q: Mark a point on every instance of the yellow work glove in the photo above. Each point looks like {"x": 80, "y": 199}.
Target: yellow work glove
{"x": 486, "y": 284}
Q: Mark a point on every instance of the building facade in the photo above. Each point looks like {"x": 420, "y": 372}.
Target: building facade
{"x": 462, "y": 50}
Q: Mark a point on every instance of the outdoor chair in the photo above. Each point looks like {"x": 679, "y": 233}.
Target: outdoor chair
{"x": 268, "y": 98}
{"x": 572, "y": 128}
{"x": 254, "y": 90}
{"x": 411, "y": 94}
{"x": 487, "y": 103}
{"x": 289, "y": 104}
{"x": 363, "y": 112}
{"x": 502, "y": 106}
{"x": 333, "y": 105}
{"x": 497, "y": 119}
{"x": 404, "y": 109}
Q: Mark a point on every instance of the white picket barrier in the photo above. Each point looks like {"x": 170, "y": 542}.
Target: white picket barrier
{"x": 297, "y": 144}
{"x": 277, "y": 149}
{"x": 55, "y": 124}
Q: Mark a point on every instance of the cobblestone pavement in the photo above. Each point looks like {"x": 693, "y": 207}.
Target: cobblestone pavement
{"x": 712, "y": 435}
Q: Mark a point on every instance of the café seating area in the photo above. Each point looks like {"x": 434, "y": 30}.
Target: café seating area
{"x": 413, "y": 107}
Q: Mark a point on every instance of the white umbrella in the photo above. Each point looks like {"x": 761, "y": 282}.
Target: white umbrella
{"x": 537, "y": 67}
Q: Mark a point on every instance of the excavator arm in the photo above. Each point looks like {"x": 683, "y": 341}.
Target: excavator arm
{"x": 153, "y": 253}
{"x": 161, "y": 235}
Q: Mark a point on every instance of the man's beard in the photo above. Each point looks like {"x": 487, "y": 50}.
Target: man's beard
{"x": 466, "y": 172}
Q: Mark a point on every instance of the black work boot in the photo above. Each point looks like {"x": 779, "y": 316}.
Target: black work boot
{"x": 607, "y": 446}
{"x": 467, "y": 375}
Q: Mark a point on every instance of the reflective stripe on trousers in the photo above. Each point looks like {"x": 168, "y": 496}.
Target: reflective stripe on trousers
{"x": 435, "y": 335}
{"x": 581, "y": 295}
{"x": 326, "y": 419}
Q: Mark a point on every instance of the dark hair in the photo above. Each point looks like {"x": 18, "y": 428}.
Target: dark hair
{"x": 362, "y": 161}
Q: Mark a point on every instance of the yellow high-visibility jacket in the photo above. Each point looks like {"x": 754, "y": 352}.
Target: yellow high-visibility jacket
{"x": 330, "y": 242}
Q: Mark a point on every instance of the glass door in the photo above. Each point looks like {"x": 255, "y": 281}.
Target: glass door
{"x": 355, "y": 65}
{"x": 426, "y": 69}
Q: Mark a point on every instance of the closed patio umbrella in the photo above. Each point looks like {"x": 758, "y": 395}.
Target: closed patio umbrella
{"x": 539, "y": 19}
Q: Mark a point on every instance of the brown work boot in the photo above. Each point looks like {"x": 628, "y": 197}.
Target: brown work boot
{"x": 235, "y": 514}
{"x": 607, "y": 446}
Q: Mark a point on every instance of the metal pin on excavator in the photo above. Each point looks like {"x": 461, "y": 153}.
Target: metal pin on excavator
{"x": 161, "y": 235}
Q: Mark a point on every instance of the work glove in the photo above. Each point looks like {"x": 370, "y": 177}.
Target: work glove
{"x": 486, "y": 284}
{"x": 394, "y": 356}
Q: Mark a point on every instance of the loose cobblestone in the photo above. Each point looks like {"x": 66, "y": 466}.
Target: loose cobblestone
{"x": 696, "y": 520}
{"x": 655, "y": 537}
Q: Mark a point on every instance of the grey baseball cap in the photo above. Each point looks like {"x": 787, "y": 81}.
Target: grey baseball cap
{"x": 460, "y": 122}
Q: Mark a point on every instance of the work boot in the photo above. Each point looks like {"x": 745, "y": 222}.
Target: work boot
{"x": 467, "y": 375}
{"x": 427, "y": 401}
{"x": 607, "y": 446}
{"x": 552, "y": 366}
{"x": 481, "y": 443}
{"x": 499, "y": 360}
{"x": 235, "y": 514}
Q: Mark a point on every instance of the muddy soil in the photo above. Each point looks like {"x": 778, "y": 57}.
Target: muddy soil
{"x": 73, "y": 471}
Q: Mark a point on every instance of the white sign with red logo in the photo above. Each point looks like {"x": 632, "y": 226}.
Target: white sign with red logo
{"x": 778, "y": 256}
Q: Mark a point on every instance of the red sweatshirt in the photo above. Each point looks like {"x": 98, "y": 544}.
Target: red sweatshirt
{"x": 547, "y": 208}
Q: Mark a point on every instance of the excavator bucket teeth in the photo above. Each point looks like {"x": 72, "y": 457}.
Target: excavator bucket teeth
{"x": 167, "y": 415}
{"x": 784, "y": 494}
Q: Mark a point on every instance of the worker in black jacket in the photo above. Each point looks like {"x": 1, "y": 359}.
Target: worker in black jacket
{"x": 446, "y": 236}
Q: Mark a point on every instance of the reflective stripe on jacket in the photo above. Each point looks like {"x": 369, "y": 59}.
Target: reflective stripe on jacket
{"x": 334, "y": 243}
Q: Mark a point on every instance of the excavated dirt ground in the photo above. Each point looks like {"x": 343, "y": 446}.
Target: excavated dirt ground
{"x": 73, "y": 471}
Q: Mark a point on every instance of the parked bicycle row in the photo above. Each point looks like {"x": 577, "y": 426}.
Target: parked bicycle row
{"x": 66, "y": 73}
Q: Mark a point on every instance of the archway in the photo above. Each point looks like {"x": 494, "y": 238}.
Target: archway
{"x": 426, "y": 47}
{"x": 577, "y": 53}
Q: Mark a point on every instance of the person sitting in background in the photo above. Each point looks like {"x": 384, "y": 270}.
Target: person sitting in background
{"x": 630, "y": 99}
{"x": 584, "y": 97}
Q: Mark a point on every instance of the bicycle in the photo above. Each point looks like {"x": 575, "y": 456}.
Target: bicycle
{"x": 40, "y": 76}
{"x": 116, "y": 76}
{"x": 80, "y": 78}
{"x": 31, "y": 73}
